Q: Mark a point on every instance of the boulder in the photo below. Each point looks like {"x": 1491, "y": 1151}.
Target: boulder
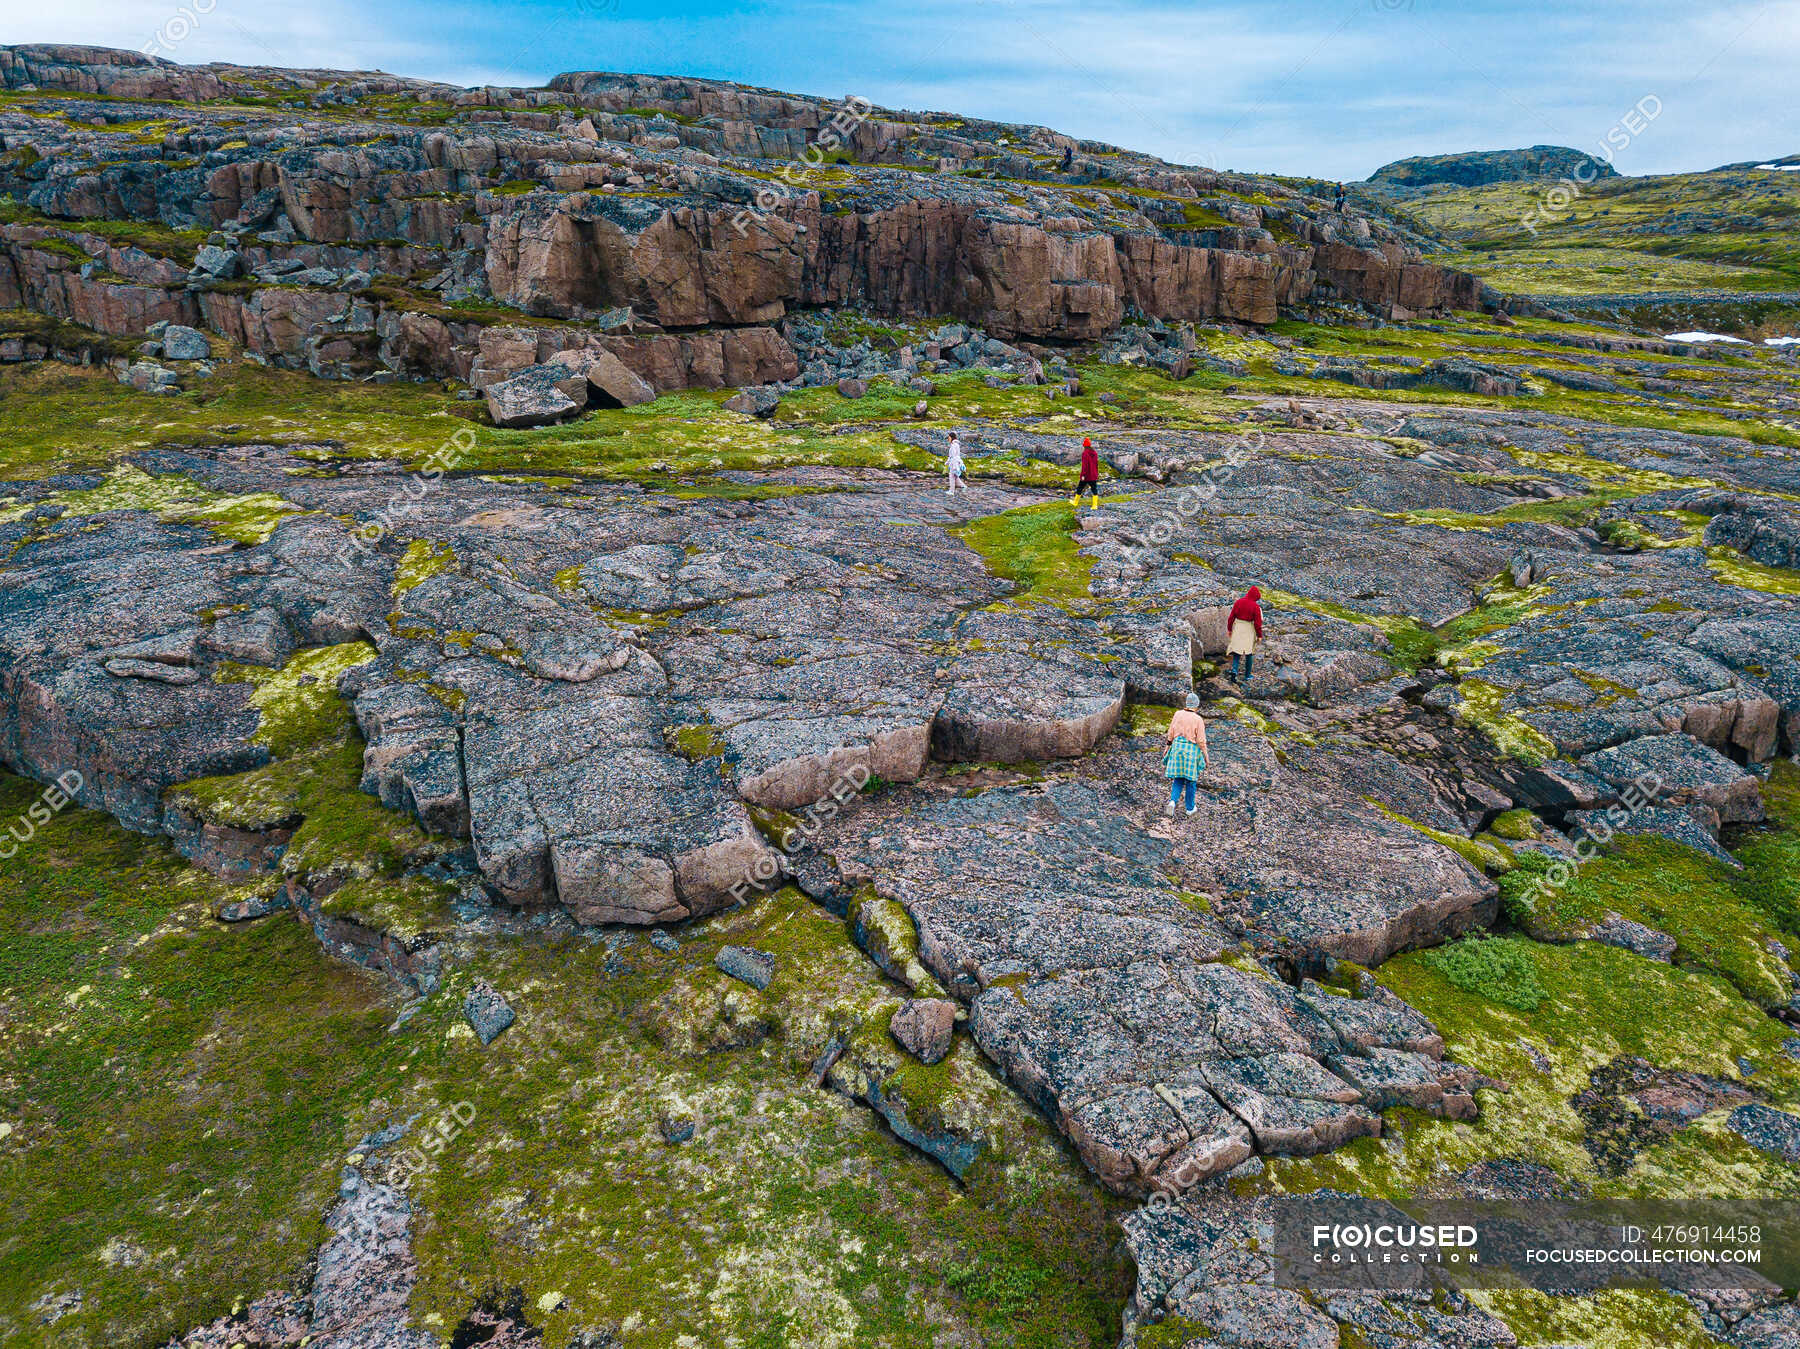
{"x": 757, "y": 402}
{"x": 745, "y": 963}
{"x": 258, "y": 637}
{"x": 924, "y": 1027}
{"x": 533, "y": 397}
{"x": 181, "y": 343}
{"x": 486, "y": 1011}
{"x": 1680, "y": 770}
{"x": 615, "y": 385}
{"x": 1773, "y": 1131}
{"x": 217, "y": 263}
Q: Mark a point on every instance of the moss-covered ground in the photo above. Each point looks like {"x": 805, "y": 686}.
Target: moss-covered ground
{"x": 1541, "y": 1018}
{"x": 792, "y": 1217}
{"x": 1035, "y": 548}
{"x": 1549, "y": 1024}
{"x": 175, "y": 1092}
{"x": 1724, "y": 920}
{"x": 179, "y": 1093}
{"x": 57, "y": 419}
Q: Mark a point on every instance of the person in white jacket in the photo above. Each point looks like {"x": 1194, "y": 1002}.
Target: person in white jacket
{"x": 953, "y": 465}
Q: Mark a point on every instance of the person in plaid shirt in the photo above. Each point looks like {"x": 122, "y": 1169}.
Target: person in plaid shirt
{"x": 1185, "y": 759}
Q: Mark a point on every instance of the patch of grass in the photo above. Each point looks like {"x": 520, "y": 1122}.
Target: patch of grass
{"x": 179, "y": 1091}
{"x": 242, "y": 519}
{"x": 1003, "y": 1289}
{"x": 1723, "y": 921}
{"x": 1034, "y": 547}
{"x": 1594, "y": 1004}
{"x": 1500, "y": 969}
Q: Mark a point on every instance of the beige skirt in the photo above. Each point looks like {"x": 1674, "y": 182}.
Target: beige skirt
{"x": 1243, "y": 638}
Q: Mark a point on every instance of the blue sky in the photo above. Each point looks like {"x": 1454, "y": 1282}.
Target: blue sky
{"x": 1332, "y": 88}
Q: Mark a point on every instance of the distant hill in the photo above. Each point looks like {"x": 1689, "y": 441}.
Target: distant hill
{"x": 1787, "y": 163}
{"x": 1477, "y": 168}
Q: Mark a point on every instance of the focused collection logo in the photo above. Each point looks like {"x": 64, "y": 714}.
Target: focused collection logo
{"x": 1395, "y": 1244}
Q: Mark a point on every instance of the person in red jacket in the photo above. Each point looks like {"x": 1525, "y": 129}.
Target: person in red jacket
{"x": 1089, "y": 485}
{"x": 1245, "y": 629}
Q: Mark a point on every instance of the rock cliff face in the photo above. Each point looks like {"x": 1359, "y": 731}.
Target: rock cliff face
{"x": 353, "y": 222}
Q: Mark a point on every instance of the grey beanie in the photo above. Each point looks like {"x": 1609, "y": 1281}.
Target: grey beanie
{"x": 1193, "y": 702}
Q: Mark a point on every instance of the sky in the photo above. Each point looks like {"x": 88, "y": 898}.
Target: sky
{"x": 1325, "y": 88}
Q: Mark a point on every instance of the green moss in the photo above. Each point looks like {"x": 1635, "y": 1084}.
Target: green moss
{"x": 1499, "y": 969}
{"x": 183, "y": 1087}
{"x": 1034, "y": 547}
{"x": 697, "y": 742}
{"x": 1174, "y": 1332}
{"x": 1617, "y": 1319}
{"x": 1597, "y": 1004}
{"x": 792, "y": 1214}
{"x": 1724, "y": 921}
{"x": 887, "y": 933}
{"x": 152, "y": 236}
{"x": 259, "y": 800}
{"x": 1482, "y": 706}
{"x": 1516, "y": 826}
{"x": 1458, "y": 643}
{"x": 404, "y": 907}
{"x": 299, "y": 703}
{"x": 1145, "y": 719}
{"x": 1489, "y": 854}
{"x": 314, "y": 783}
{"x": 1732, "y": 568}
{"x": 1571, "y": 511}
{"x": 421, "y": 561}
{"x": 243, "y": 519}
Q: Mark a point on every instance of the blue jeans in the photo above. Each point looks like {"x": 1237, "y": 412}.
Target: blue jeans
{"x": 1179, "y": 787}
{"x": 1247, "y": 662}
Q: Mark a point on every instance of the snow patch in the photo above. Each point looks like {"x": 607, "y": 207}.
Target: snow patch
{"x": 1705, "y": 337}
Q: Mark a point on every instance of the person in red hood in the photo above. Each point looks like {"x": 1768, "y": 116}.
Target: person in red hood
{"x": 1089, "y": 485}
{"x": 1245, "y": 629}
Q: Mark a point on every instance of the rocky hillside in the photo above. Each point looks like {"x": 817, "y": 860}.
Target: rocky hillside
{"x": 1712, "y": 251}
{"x": 1477, "y": 168}
{"x": 348, "y": 223}
{"x": 536, "y": 819}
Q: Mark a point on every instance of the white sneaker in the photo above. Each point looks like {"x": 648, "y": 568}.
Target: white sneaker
{"x": 1168, "y": 810}
{"x": 1192, "y": 809}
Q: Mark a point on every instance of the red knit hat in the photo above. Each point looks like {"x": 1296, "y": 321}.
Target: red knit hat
{"x": 1086, "y": 444}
